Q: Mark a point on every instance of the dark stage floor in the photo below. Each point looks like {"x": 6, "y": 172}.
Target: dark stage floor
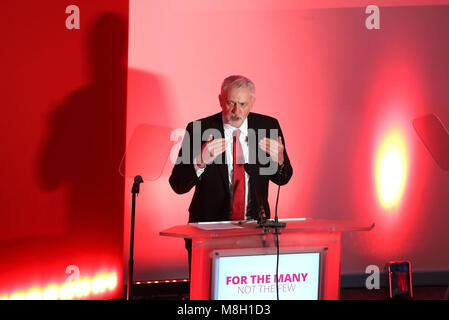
{"x": 179, "y": 291}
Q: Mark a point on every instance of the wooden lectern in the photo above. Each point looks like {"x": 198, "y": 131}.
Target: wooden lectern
{"x": 299, "y": 234}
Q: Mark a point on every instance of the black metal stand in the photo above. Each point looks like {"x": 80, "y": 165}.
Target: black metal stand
{"x": 262, "y": 219}
{"x": 135, "y": 190}
{"x": 273, "y": 224}
{"x": 270, "y": 224}
{"x": 276, "y": 225}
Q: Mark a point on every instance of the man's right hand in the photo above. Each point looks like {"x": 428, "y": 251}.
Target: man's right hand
{"x": 210, "y": 150}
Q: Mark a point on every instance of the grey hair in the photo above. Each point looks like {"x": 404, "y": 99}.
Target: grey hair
{"x": 237, "y": 81}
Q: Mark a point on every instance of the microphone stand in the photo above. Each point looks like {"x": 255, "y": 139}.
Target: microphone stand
{"x": 263, "y": 222}
{"x": 266, "y": 225}
{"x": 135, "y": 190}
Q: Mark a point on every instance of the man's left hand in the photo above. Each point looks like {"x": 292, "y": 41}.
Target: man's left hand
{"x": 275, "y": 149}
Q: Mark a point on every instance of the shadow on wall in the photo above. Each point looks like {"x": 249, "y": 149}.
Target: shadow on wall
{"x": 86, "y": 144}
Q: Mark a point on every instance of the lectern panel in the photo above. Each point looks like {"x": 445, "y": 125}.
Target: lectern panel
{"x": 250, "y": 274}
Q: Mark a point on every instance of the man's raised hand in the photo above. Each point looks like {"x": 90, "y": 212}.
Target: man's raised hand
{"x": 210, "y": 150}
{"x": 275, "y": 149}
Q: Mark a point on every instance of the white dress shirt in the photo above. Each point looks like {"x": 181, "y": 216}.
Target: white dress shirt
{"x": 228, "y": 131}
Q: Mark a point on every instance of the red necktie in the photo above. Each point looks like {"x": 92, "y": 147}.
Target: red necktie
{"x": 238, "y": 184}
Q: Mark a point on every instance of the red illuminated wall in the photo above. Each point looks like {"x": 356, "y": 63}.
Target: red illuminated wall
{"x": 337, "y": 90}
{"x": 63, "y": 103}
{"x": 71, "y": 107}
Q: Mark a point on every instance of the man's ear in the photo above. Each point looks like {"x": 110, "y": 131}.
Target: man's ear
{"x": 252, "y": 103}
{"x": 220, "y": 100}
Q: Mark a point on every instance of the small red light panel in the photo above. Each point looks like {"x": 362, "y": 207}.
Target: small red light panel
{"x": 400, "y": 280}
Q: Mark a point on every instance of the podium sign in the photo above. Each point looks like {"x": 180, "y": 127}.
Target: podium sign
{"x": 244, "y": 275}
{"x": 244, "y": 251}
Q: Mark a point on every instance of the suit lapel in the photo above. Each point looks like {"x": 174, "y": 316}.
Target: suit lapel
{"x": 252, "y": 135}
{"x": 251, "y": 167}
{"x": 222, "y": 166}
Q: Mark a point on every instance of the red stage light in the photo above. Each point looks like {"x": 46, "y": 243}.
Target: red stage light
{"x": 161, "y": 281}
{"x": 86, "y": 287}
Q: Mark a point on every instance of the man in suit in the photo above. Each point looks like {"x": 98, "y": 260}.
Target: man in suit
{"x": 230, "y": 157}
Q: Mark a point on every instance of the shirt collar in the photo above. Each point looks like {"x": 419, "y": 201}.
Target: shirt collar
{"x": 243, "y": 128}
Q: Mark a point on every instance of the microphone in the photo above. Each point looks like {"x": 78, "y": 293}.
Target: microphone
{"x": 262, "y": 217}
{"x": 136, "y": 185}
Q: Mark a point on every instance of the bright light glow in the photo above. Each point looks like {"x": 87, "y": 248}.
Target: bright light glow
{"x": 111, "y": 281}
{"x": 391, "y": 169}
{"x": 51, "y": 292}
{"x": 34, "y": 294}
{"x": 67, "y": 291}
{"x": 81, "y": 288}
{"x": 18, "y": 295}
{"x": 99, "y": 283}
